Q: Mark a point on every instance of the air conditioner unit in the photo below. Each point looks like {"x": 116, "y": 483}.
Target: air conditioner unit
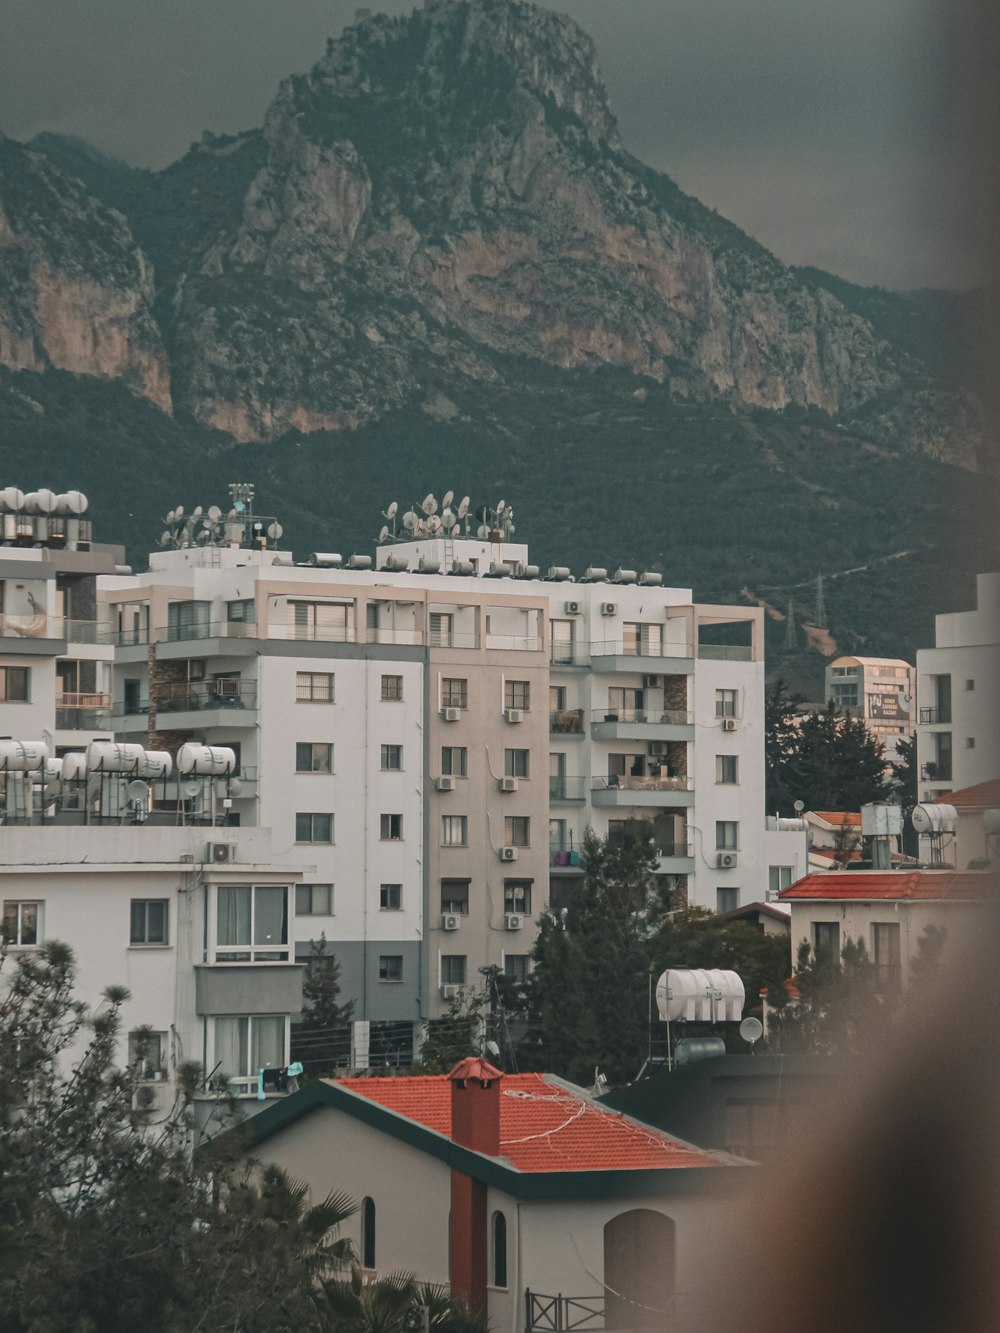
{"x": 726, "y": 860}
{"x": 571, "y": 608}
{"x": 609, "y": 608}
{"x": 445, "y": 783}
{"x": 513, "y": 921}
{"x": 450, "y": 714}
{"x": 729, "y": 724}
{"x": 221, "y": 853}
{"x": 652, "y": 682}
{"x": 507, "y": 853}
{"x": 658, "y": 747}
{"x": 450, "y": 921}
{"x": 449, "y": 991}
{"x": 514, "y": 714}
{"x": 507, "y": 784}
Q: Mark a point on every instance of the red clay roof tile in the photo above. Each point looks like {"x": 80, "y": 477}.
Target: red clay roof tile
{"x": 891, "y": 884}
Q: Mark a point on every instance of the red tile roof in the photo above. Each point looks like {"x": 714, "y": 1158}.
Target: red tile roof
{"x": 543, "y": 1126}
{"x": 839, "y": 817}
{"x": 983, "y": 796}
{"x": 891, "y": 884}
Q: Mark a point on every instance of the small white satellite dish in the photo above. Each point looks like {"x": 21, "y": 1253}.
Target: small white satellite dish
{"x": 991, "y": 822}
{"x": 178, "y": 513}
{"x": 409, "y": 520}
{"x": 433, "y": 524}
{"x": 448, "y": 519}
{"x": 203, "y": 537}
{"x": 447, "y": 499}
{"x": 751, "y": 1030}
{"x": 428, "y": 504}
{"x": 165, "y": 539}
{"x": 274, "y": 531}
{"x": 235, "y": 786}
{"x": 214, "y": 513}
{"x": 463, "y": 507}
{"x": 482, "y": 532}
{"x": 501, "y": 507}
{"x": 137, "y": 790}
{"x": 383, "y": 535}
{"x": 197, "y": 511}
{"x": 798, "y": 806}
{"x": 420, "y": 528}
{"x": 191, "y": 790}
{"x": 392, "y": 510}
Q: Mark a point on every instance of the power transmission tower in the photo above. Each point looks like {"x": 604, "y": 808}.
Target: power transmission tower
{"x": 791, "y": 641}
{"x": 820, "y": 603}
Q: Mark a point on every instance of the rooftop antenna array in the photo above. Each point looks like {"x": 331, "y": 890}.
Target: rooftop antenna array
{"x": 239, "y": 526}
{"x": 426, "y": 519}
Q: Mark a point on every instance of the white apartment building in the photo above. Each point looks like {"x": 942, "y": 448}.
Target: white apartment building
{"x": 881, "y": 691}
{"x": 426, "y": 736}
{"x": 958, "y": 683}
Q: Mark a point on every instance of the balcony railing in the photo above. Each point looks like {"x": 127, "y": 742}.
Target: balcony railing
{"x": 659, "y": 717}
{"x": 518, "y": 643}
{"x": 647, "y": 782}
{"x": 939, "y": 772}
{"x": 83, "y": 712}
{"x": 183, "y": 698}
{"x": 566, "y": 722}
{"x": 566, "y": 857}
{"x": 618, "y": 648}
{"x": 406, "y": 637}
{"x": 567, "y": 789}
{"x": 448, "y": 639}
{"x": 725, "y": 652}
{"x": 930, "y": 716}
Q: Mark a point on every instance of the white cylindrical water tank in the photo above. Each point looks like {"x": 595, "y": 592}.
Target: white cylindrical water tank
{"x": 792, "y": 825}
{"x": 700, "y": 995}
{"x": 114, "y": 757}
{"x": 934, "y": 817}
{"x": 22, "y": 756}
{"x": 215, "y": 761}
{"x": 156, "y": 764}
{"x": 74, "y": 767}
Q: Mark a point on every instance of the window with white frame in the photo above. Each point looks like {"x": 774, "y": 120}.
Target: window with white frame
{"x": 148, "y": 921}
{"x": 314, "y": 687}
{"x": 517, "y": 831}
{"x": 390, "y": 897}
{"x": 778, "y": 878}
{"x": 22, "y": 924}
{"x": 251, "y": 923}
{"x": 454, "y": 761}
{"x": 726, "y": 703}
{"x": 391, "y": 758}
{"x": 727, "y": 768}
{"x": 246, "y": 1044}
{"x": 313, "y": 827}
{"x": 329, "y": 622}
{"x": 454, "y": 830}
{"x": 441, "y": 623}
{"x": 517, "y": 694}
{"x": 454, "y": 692}
{"x": 391, "y": 828}
{"x": 517, "y": 896}
{"x": 15, "y": 682}
{"x": 313, "y": 757}
{"x": 727, "y": 835}
{"x": 516, "y": 763}
{"x": 314, "y": 900}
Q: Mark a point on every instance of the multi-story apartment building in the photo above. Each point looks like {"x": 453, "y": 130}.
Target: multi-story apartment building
{"x": 881, "y": 691}
{"x": 427, "y": 735}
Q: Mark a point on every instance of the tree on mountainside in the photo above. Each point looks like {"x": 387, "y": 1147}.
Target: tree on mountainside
{"x": 827, "y": 759}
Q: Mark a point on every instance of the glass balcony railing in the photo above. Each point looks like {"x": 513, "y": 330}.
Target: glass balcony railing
{"x": 725, "y": 652}
{"x": 567, "y": 789}
{"x": 623, "y": 648}
{"x": 83, "y": 712}
{"x": 518, "y": 643}
{"x": 644, "y": 782}
{"x": 659, "y": 717}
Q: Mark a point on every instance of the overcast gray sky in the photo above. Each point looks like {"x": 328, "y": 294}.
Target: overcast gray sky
{"x": 816, "y": 126}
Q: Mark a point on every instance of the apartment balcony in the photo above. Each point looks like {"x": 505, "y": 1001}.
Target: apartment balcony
{"x": 83, "y": 712}
{"x": 641, "y": 724}
{"x": 452, "y": 639}
{"x": 194, "y": 706}
{"x": 930, "y": 717}
{"x": 567, "y": 722}
{"x": 567, "y": 791}
{"x": 38, "y": 635}
{"x": 647, "y": 792}
{"x": 407, "y": 638}
{"x": 614, "y": 655}
{"x": 939, "y": 772}
{"x": 565, "y": 860}
{"x": 725, "y": 652}
{"x": 675, "y": 859}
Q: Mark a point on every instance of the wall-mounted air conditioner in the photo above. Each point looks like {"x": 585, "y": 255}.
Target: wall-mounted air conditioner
{"x": 514, "y": 714}
{"x": 450, "y": 714}
{"x": 507, "y": 784}
{"x": 513, "y": 921}
{"x": 445, "y": 783}
{"x": 571, "y": 608}
{"x": 729, "y": 724}
{"x": 652, "y": 682}
{"x": 221, "y": 853}
{"x": 726, "y": 860}
{"x": 450, "y": 921}
{"x": 507, "y": 853}
{"x": 658, "y": 747}
{"x": 449, "y": 991}
{"x": 609, "y": 608}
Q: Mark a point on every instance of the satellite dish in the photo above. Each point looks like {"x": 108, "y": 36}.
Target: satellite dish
{"x": 409, "y": 520}
{"x": 483, "y": 514}
{"x": 448, "y": 520}
{"x": 798, "y": 806}
{"x": 214, "y": 513}
{"x": 197, "y": 511}
{"x": 482, "y": 532}
{"x": 383, "y": 535}
{"x": 392, "y": 510}
{"x": 463, "y": 508}
{"x": 751, "y": 1030}
{"x": 202, "y": 537}
{"x": 274, "y": 531}
{"x": 165, "y": 539}
{"x": 137, "y": 790}
{"x": 191, "y": 790}
{"x": 447, "y": 499}
{"x": 235, "y": 786}
{"x": 420, "y": 528}
{"x": 433, "y": 524}
{"x": 501, "y": 507}
{"x": 991, "y": 821}
{"x": 428, "y": 504}
{"x": 178, "y": 513}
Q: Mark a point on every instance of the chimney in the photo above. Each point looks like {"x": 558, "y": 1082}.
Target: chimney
{"x": 475, "y": 1124}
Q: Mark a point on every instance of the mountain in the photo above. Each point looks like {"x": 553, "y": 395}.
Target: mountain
{"x": 436, "y": 240}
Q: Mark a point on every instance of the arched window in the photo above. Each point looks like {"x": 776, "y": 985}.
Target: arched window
{"x": 367, "y": 1233}
{"x": 499, "y": 1250}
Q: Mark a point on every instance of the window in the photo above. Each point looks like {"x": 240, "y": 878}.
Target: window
{"x": 313, "y": 757}
{"x": 454, "y": 692}
{"x": 453, "y": 969}
{"x": 314, "y": 687}
{"x": 885, "y": 952}
{"x": 145, "y": 1051}
{"x": 970, "y": 742}
{"x": 454, "y": 831}
{"x": 314, "y": 828}
{"x": 148, "y": 921}
{"x": 251, "y": 924}
{"x": 327, "y": 621}
{"x": 517, "y": 895}
{"x": 314, "y": 900}
{"x": 368, "y": 1233}
{"x": 21, "y": 924}
{"x": 189, "y": 620}
{"x": 642, "y": 640}
{"x": 727, "y": 835}
{"x": 392, "y": 758}
{"x": 392, "y": 689}
{"x": 441, "y": 626}
{"x": 243, "y": 612}
{"x": 133, "y": 695}
{"x": 454, "y": 760}
{"x": 845, "y": 696}
{"x": 826, "y": 938}
{"x": 455, "y": 896}
{"x": 516, "y": 763}
{"x": 515, "y": 966}
{"x": 390, "y": 967}
{"x": 499, "y": 1250}
{"x": 244, "y": 1046}
{"x": 727, "y": 768}
{"x": 727, "y": 900}
{"x": 390, "y": 828}
{"x": 725, "y": 703}
{"x": 390, "y": 897}
{"x": 517, "y": 694}
{"x": 517, "y": 831}
{"x": 624, "y": 702}
{"x": 778, "y": 878}
{"x": 557, "y": 698}
{"x": 562, "y": 640}
{"x": 970, "y": 684}
{"x": 14, "y": 684}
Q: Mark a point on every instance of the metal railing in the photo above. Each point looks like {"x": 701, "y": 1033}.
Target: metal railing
{"x": 939, "y": 772}
{"x": 567, "y": 789}
{"x": 618, "y": 648}
{"x": 658, "y": 717}
{"x": 83, "y": 712}
{"x": 646, "y": 782}
{"x": 566, "y": 722}
{"x": 182, "y": 698}
{"x": 407, "y": 637}
{"x": 725, "y": 652}
{"x": 933, "y": 715}
{"x": 518, "y": 643}
{"x": 445, "y": 639}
